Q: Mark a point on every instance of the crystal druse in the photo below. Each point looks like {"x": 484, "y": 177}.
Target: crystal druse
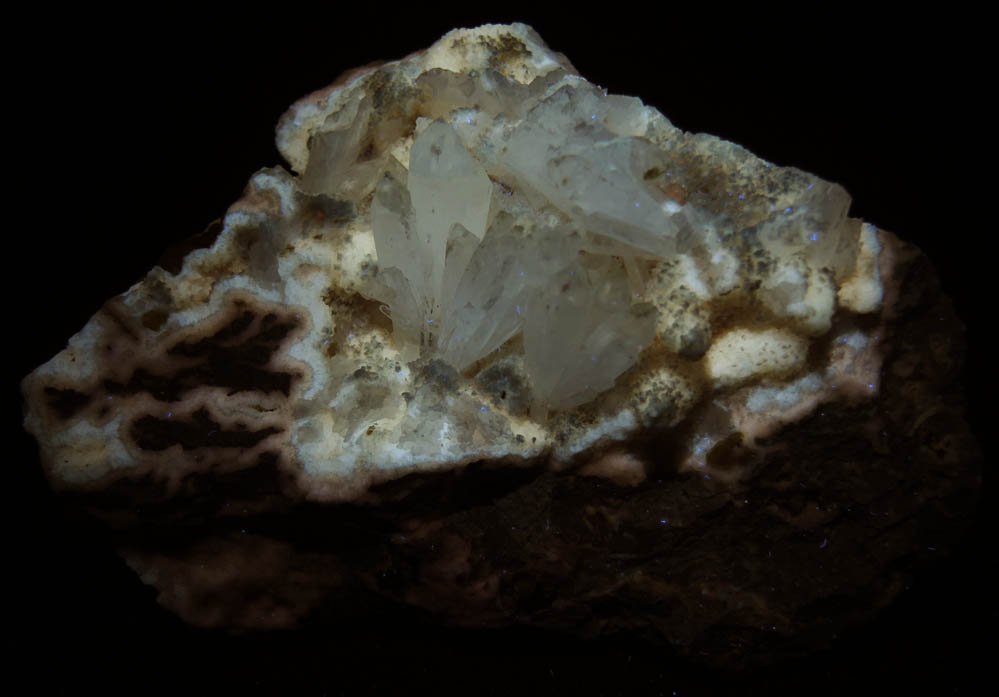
{"x": 481, "y": 262}
{"x": 511, "y": 219}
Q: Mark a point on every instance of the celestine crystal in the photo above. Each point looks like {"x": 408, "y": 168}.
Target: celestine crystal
{"x": 466, "y": 269}
{"x": 480, "y": 261}
{"x": 515, "y": 199}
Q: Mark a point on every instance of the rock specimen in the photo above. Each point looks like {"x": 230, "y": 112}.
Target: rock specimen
{"x": 513, "y": 350}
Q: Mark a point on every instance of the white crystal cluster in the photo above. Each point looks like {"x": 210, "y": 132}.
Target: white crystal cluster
{"x": 561, "y": 266}
{"x": 521, "y": 209}
{"x": 539, "y": 207}
{"x": 523, "y": 218}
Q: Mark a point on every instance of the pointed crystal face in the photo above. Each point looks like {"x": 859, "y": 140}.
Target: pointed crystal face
{"x": 428, "y": 230}
{"x": 459, "y": 288}
{"x": 504, "y": 170}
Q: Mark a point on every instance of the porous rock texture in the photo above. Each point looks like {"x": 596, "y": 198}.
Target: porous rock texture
{"x": 512, "y": 350}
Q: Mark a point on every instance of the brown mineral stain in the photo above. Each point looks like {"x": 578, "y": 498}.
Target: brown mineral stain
{"x": 505, "y": 49}
{"x": 65, "y": 402}
{"x": 675, "y": 192}
{"x": 622, "y": 468}
{"x": 154, "y": 319}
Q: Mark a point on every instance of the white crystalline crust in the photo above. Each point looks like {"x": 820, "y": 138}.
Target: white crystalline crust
{"x": 742, "y": 354}
{"x": 560, "y": 267}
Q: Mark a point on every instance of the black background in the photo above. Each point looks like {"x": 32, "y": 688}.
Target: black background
{"x": 127, "y": 133}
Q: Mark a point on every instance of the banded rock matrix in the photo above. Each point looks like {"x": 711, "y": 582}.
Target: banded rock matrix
{"x": 485, "y": 272}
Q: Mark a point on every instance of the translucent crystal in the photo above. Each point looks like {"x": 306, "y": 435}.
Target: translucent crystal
{"x": 487, "y": 305}
{"x": 816, "y": 223}
{"x": 581, "y": 333}
{"x": 444, "y": 206}
{"x": 564, "y": 149}
{"x": 547, "y": 207}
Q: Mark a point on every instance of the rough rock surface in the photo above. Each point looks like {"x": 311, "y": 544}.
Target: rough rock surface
{"x": 272, "y": 450}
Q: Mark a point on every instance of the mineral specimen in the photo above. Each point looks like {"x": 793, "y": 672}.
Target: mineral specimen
{"x": 541, "y": 346}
